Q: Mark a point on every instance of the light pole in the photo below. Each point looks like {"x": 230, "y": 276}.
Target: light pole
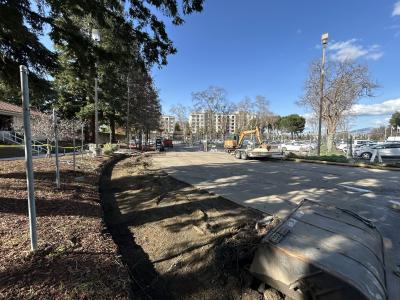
{"x": 96, "y": 39}
{"x": 324, "y": 41}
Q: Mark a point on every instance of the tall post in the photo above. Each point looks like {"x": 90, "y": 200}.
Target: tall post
{"x": 82, "y": 137}
{"x": 324, "y": 40}
{"x": 56, "y": 147}
{"x": 350, "y": 148}
{"x": 96, "y": 117}
{"x": 28, "y": 156}
{"x": 73, "y": 143}
{"x": 127, "y": 110}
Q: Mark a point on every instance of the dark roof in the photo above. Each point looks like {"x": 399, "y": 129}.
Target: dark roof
{"x": 13, "y": 109}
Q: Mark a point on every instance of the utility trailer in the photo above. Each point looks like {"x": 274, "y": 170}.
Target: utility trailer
{"x": 257, "y": 152}
{"x": 256, "y": 148}
{"x": 323, "y": 252}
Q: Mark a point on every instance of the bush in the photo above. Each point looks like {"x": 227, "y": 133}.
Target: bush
{"x": 109, "y": 148}
{"x": 332, "y": 157}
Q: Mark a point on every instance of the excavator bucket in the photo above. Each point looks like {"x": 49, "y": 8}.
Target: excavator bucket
{"x": 323, "y": 252}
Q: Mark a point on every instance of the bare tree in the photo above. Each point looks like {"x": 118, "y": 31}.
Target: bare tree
{"x": 345, "y": 83}
{"x": 212, "y": 101}
{"x": 262, "y": 111}
{"x": 245, "y": 110}
{"x": 181, "y": 113}
{"x": 42, "y": 128}
{"x": 272, "y": 122}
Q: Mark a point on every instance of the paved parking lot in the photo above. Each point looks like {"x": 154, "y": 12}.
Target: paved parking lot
{"x": 276, "y": 187}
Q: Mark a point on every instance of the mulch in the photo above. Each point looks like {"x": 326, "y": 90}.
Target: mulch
{"x": 76, "y": 258}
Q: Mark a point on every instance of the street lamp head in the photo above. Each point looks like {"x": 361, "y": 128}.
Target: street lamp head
{"x": 324, "y": 38}
{"x": 96, "y": 35}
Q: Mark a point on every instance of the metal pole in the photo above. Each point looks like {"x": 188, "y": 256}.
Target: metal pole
{"x": 96, "y": 117}
{"x": 73, "y": 143}
{"x": 56, "y": 147}
{"x": 82, "y": 138}
{"x": 127, "y": 111}
{"x": 28, "y": 157}
{"x": 324, "y": 43}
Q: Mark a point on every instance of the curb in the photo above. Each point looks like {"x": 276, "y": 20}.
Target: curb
{"x": 325, "y": 162}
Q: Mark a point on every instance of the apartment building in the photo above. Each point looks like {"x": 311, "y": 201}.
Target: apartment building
{"x": 221, "y": 123}
{"x": 197, "y": 122}
{"x": 225, "y": 123}
{"x": 168, "y": 124}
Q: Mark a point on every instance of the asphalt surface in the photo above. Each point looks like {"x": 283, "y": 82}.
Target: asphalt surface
{"x": 276, "y": 187}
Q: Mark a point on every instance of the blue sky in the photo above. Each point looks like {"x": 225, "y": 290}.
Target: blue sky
{"x": 260, "y": 47}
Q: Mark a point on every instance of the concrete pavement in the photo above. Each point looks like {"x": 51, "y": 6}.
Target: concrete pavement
{"x": 276, "y": 187}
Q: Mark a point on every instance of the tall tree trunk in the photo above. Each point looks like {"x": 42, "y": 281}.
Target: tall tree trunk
{"x": 112, "y": 127}
{"x": 141, "y": 139}
{"x": 330, "y": 135}
{"x": 329, "y": 141}
{"x": 93, "y": 131}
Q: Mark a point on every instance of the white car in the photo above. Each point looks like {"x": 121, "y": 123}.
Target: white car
{"x": 295, "y": 147}
{"x": 390, "y": 150}
{"x": 343, "y": 147}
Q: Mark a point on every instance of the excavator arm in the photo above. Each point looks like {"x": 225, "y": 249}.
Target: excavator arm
{"x": 245, "y": 133}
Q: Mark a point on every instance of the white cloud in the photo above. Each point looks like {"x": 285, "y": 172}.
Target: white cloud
{"x": 350, "y": 49}
{"x": 396, "y": 9}
{"x": 385, "y": 108}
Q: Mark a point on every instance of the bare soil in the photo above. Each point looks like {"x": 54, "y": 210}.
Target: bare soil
{"x": 178, "y": 242}
{"x": 76, "y": 258}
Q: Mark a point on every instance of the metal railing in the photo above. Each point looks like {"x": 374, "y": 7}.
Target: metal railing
{"x": 12, "y": 137}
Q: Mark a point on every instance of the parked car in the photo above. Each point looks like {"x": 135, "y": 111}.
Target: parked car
{"x": 168, "y": 143}
{"x": 343, "y": 147}
{"x": 358, "y": 149}
{"x": 133, "y": 144}
{"x": 295, "y": 147}
{"x": 391, "y": 150}
{"x": 357, "y": 144}
{"x": 393, "y": 139}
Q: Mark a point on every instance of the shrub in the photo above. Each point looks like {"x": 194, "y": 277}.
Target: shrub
{"x": 332, "y": 157}
{"x": 109, "y": 148}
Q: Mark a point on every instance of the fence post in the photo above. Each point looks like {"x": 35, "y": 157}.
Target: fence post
{"x": 56, "y": 144}
{"x": 28, "y": 157}
{"x": 82, "y": 137}
{"x": 73, "y": 142}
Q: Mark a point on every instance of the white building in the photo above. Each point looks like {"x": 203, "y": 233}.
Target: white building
{"x": 197, "y": 122}
{"x": 225, "y": 123}
{"x": 221, "y": 123}
{"x": 168, "y": 124}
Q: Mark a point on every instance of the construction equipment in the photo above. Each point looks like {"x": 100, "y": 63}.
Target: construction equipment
{"x": 254, "y": 148}
{"x": 236, "y": 141}
{"x": 231, "y": 142}
{"x": 323, "y": 252}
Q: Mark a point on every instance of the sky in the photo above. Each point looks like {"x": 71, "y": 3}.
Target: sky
{"x": 264, "y": 47}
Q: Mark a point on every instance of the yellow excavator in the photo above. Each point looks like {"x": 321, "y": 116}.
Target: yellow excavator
{"x": 235, "y": 141}
{"x": 253, "y": 150}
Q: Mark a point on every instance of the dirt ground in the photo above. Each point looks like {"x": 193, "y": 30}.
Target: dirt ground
{"x": 76, "y": 259}
{"x": 178, "y": 242}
